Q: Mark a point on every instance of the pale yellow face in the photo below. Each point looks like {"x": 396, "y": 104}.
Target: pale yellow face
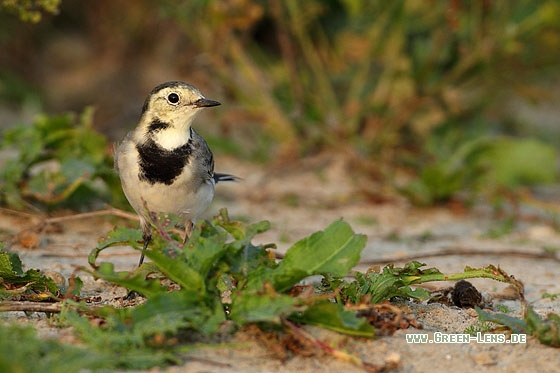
{"x": 168, "y": 113}
{"x": 175, "y": 104}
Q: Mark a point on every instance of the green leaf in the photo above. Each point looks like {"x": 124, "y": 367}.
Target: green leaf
{"x": 168, "y": 313}
{"x": 134, "y": 281}
{"x": 118, "y": 236}
{"x": 391, "y": 282}
{"x": 516, "y": 325}
{"x": 262, "y": 306}
{"x": 336, "y": 250}
{"x": 75, "y": 285}
{"x": 10, "y": 264}
{"x": 333, "y": 316}
{"x": 242, "y": 232}
{"x": 118, "y": 344}
{"x": 11, "y": 272}
{"x": 394, "y": 281}
{"x": 484, "y": 163}
{"x": 178, "y": 270}
{"x": 547, "y": 330}
{"x": 244, "y": 261}
{"x": 206, "y": 246}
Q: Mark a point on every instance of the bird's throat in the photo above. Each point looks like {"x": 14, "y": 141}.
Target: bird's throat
{"x": 171, "y": 138}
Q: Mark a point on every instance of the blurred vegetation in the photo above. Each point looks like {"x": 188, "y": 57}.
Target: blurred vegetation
{"x": 58, "y": 161}
{"x": 485, "y": 166}
{"x": 416, "y": 86}
{"x": 30, "y": 10}
{"x": 370, "y": 77}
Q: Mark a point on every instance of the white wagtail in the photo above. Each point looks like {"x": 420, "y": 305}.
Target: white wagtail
{"x": 164, "y": 163}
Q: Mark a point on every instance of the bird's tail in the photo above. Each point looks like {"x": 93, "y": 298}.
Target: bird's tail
{"x": 225, "y": 177}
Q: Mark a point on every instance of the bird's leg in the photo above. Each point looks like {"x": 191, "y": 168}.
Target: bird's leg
{"x": 189, "y": 227}
{"x": 147, "y": 237}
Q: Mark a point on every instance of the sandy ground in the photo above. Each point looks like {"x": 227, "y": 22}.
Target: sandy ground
{"x": 297, "y": 203}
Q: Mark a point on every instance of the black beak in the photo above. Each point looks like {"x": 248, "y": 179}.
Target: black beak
{"x": 204, "y": 102}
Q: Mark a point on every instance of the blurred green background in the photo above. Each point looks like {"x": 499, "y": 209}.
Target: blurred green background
{"x": 432, "y": 99}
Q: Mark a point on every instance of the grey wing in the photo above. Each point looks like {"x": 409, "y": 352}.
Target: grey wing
{"x": 205, "y": 160}
{"x": 203, "y": 157}
{"x": 118, "y": 147}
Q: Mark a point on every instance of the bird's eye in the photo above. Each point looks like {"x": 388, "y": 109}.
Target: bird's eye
{"x": 173, "y": 98}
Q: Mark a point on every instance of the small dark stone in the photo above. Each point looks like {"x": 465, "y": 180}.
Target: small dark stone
{"x": 465, "y": 295}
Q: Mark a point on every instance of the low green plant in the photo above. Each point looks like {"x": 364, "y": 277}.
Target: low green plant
{"x": 503, "y": 308}
{"x": 22, "y": 350}
{"x": 58, "y": 161}
{"x": 481, "y": 166}
{"x": 30, "y": 284}
{"x": 551, "y": 296}
{"x": 479, "y": 327}
{"x": 221, "y": 258}
{"x": 547, "y": 330}
{"x": 376, "y": 285}
{"x": 221, "y": 276}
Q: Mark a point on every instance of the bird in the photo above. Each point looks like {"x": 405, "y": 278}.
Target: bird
{"x": 164, "y": 165}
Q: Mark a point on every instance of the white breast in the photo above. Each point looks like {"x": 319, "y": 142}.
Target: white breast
{"x": 185, "y": 197}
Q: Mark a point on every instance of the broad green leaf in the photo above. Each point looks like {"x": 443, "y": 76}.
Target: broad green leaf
{"x": 333, "y": 316}
{"x": 178, "y": 270}
{"x": 245, "y": 261}
{"x": 265, "y": 306}
{"x": 335, "y": 250}
{"x": 206, "y": 246}
{"x": 169, "y": 312}
{"x": 241, "y": 255}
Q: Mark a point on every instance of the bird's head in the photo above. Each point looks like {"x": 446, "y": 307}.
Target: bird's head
{"x": 170, "y": 108}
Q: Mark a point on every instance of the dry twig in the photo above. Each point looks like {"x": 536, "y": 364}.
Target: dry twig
{"x": 12, "y": 306}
